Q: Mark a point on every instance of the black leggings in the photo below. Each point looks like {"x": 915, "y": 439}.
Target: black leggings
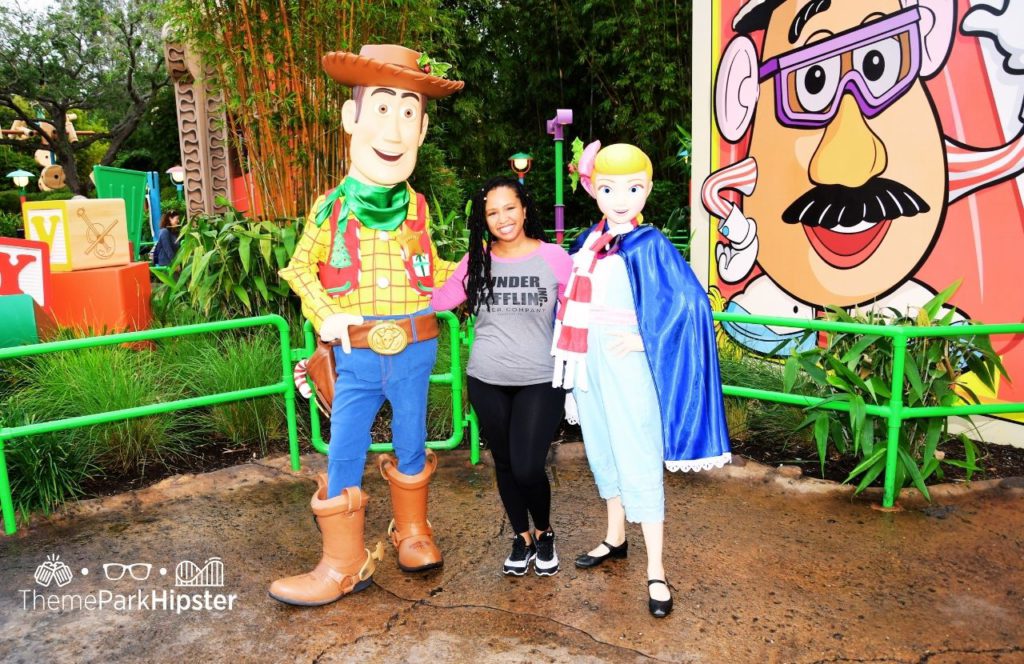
{"x": 519, "y": 423}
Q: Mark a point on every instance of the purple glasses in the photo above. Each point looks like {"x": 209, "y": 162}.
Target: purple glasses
{"x": 876, "y": 62}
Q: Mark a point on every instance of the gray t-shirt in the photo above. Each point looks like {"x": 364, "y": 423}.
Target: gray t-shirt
{"x": 512, "y": 344}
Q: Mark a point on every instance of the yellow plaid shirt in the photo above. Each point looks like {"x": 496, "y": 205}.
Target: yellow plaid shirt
{"x": 384, "y": 288}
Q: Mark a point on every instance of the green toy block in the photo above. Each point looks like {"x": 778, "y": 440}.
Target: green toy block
{"x": 18, "y": 313}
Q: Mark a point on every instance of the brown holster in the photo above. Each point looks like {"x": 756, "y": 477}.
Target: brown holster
{"x": 321, "y": 371}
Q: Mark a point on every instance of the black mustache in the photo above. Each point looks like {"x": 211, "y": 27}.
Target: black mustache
{"x": 831, "y": 205}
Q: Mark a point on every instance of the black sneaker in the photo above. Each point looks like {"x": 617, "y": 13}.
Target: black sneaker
{"x": 547, "y": 558}
{"x": 518, "y": 562}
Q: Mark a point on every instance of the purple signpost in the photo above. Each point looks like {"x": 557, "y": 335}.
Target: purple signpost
{"x": 556, "y": 127}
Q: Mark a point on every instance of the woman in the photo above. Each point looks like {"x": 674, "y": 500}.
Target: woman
{"x": 167, "y": 241}
{"x": 636, "y": 340}
{"x": 512, "y": 279}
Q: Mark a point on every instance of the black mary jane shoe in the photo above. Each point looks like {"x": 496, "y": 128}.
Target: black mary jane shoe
{"x": 586, "y": 560}
{"x": 657, "y": 607}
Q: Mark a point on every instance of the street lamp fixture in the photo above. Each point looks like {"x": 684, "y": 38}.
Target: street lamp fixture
{"x": 20, "y": 179}
{"x": 177, "y": 175}
{"x": 520, "y": 162}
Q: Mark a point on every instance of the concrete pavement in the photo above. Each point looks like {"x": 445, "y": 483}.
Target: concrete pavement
{"x": 761, "y": 573}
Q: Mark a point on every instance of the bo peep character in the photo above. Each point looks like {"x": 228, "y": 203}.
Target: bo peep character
{"x": 635, "y": 341}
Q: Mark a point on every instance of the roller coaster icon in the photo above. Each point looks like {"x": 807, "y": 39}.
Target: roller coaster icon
{"x": 190, "y": 575}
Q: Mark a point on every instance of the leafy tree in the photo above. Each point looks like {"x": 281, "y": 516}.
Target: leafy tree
{"x": 84, "y": 55}
{"x": 622, "y": 66}
{"x": 283, "y": 111}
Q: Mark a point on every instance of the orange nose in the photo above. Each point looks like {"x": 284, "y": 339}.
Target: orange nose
{"x": 849, "y": 153}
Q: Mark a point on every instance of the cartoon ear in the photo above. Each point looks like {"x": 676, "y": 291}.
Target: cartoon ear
{"x": 348, "y": 115}
{"x": 938, "y": 23}
{"x": 736, "y": 89}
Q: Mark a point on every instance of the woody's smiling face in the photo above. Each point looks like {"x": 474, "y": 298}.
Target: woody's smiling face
{"x": 387, "y": 126}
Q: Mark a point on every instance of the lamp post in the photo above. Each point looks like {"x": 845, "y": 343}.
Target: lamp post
{"x": 520, "y": 162}
{"x": 177, "y": 174}
{"x": 556, "y": 127}
{"x": 20, "y": 179}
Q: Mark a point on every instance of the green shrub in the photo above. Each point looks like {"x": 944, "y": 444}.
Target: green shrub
{"x": 751, "y": 419}
{"x": 46, "y": 470}
{"x": 96, "y": 380}
{"x": 858, "y": 370}
{"x": 10, "y": 201}
{"x": 209, "y": 364}
{"x": 10, "y": 224}
{"x": 448, "y": 232}
{"x": 226, "y": 266}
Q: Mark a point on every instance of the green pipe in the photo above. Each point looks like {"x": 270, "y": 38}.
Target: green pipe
{"x": 895, "y": 419}
{"x": 287, "y": 378}
{"x": 798, "y": 400}
{"x": 143, "y": 335}
{"x": 286, "y": 387}
{"x": 140, "y": 411}
{"x": 6, "y": 500}
{"x": 966, "y": 409}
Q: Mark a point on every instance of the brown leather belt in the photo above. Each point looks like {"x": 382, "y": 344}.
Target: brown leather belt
{"x": 389, "y": 337}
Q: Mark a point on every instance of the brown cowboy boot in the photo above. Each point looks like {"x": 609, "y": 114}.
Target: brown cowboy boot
{"x": 410, "y": 531}
{"x": 346, "y": 567}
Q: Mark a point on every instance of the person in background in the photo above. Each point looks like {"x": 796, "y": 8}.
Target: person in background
{"x": 167, "y": 240}
{"x": 512, "y": 280}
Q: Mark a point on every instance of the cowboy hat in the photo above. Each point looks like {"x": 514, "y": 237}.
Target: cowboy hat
{"x": 387, "y": 65}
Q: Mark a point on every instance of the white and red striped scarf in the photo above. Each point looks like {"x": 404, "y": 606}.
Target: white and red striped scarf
{"x": 569, "y": 345}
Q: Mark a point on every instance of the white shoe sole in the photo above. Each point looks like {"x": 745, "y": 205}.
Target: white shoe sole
{"x": 516, "y": 571}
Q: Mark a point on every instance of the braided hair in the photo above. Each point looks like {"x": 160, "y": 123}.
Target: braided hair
{"x": 478, "y": 283}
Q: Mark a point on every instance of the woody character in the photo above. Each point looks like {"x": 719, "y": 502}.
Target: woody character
{"x": 849, "y": 173}
{"x": 364, "y": 269}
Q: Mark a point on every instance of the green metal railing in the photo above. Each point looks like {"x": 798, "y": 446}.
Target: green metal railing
{"x": 461, "y": 419}
{"x": 895, "y": 412}
{"x": 286, "y": 387}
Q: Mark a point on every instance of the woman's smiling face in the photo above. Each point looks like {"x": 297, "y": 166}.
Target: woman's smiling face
{"x": 505, "y": 214}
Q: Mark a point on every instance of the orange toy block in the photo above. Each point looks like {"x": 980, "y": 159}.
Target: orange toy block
{"x": 107, "y": 299}
{"x": 82, "y": 234}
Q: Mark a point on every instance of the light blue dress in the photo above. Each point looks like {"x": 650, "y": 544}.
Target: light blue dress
{"x": 619, "y": 412}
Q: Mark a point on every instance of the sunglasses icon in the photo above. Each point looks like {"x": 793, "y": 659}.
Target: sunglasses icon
{"x": 116, "y": 571}
{"x": 877, "y": 63}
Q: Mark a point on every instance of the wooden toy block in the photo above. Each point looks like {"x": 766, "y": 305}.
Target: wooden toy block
{"x": 25, "y": 268}
{"x": 18, "y": 313}
{"x": 82, "y": 234}
{"x": 103, "y": 300}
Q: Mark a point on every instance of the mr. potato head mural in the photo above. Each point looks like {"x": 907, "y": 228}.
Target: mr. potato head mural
{"x": 843, "y": 158}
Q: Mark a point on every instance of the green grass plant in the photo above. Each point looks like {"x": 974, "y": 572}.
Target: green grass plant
{"x": 858, "y": 369}
{"x": 96, "y": 380}
{"x": 207, "y": 364}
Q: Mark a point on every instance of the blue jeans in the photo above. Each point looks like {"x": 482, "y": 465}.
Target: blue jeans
{"x": 365, "y": 380}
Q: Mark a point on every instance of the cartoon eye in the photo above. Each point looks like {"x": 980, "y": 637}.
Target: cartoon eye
{"x": 880, "y": 63}
{"x": 383, "y": 109}
{"x": 816, "y": 84}
{"x": 635, "y": 189}
{"x": 605, "y": 190}
{"x": 408, "y": 113}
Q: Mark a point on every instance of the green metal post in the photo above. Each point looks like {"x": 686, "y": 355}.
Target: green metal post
{"x": 6, "y": 501}
{"x": 895, "y": 417}
{"x": 289, "y": 394}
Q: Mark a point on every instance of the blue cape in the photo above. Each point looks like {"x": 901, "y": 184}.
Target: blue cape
{"x": 675, "y": 322}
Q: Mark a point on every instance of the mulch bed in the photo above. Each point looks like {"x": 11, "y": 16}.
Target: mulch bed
{"x": 998, "y": 461}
